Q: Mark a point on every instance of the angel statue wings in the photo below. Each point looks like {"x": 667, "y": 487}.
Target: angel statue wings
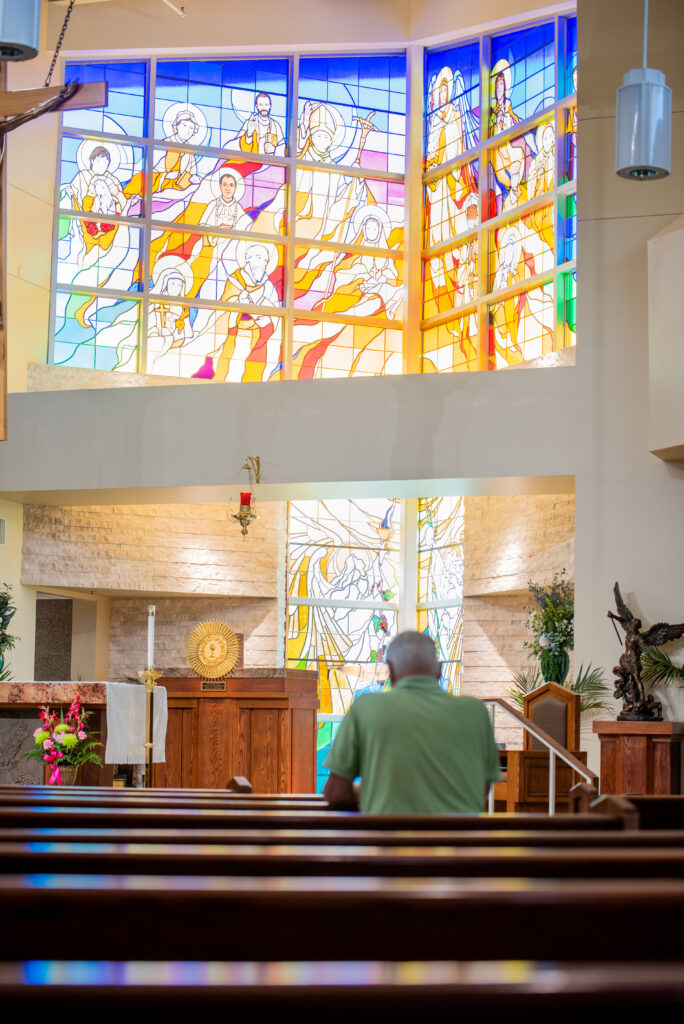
{"x": 636, "y": 706}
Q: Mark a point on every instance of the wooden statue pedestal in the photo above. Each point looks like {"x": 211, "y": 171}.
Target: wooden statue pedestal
{"x": 260, "y": 723}
{"x": 640, "y": 757}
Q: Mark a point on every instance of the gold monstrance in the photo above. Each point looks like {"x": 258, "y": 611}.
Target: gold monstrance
{"x": 213, "y": 650}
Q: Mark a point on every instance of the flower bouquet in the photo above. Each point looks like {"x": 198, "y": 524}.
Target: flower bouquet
{"x": 63, "y": 741}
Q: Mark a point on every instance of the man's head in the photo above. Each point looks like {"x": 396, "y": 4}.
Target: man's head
{"x": 185, "y": 125}
{"x": 227, "y": 185}
{"x": 412, "y": 654}
{"x": 263, "y": 104}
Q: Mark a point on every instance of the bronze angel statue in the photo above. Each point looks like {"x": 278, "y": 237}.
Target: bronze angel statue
{"x": 636, "y": 706}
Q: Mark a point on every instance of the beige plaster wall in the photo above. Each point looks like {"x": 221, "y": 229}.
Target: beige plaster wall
{"x": 256, "y": 619}
{"x": 629, "y": 503}
{"x": 21, "y": 660}
{"x": 172, "y": 549}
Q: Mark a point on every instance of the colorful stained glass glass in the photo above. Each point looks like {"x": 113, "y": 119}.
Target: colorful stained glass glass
{"x": 343, "y": 565}
{"x": 216, "y": 268}
{"x": 522, "y": 248}
{"x": 440, "y": 528}
{"x": 571, "y": 144}
{"x": 325, "y": 736}
{"x": 231, "y": 195}
{"x": 521, "y": 327}
{"x": 523, "y": 76}
{"x": 234, "y": 104}
{"x": 104, "y": 177}
{"x": 570, "y": 56}
{"x": 126, "y": 110}
{"x": 352, "y": 110}
{"x": 212, "y": 344}
{"x": 452, "y": 103}
{"x": 451, "y": 347}
{"x": 349, "y": 284}
{"x": 450, "y": 280}
{"x": 451, "y": 205}
{"x": 322, "y": 349}
{"x": 568, "y": 288}
{"x": 334, "y": 207}
{"x": 98, "y": 254}
{"x": 445, "y": 627}
{"x": 97, "y": 332}
{"x": 523, "y": 168}
{"x": 567, "y": 236}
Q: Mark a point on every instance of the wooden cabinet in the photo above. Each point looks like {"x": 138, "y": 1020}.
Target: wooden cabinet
{"x": 263, "y": 726}
{"x": 640, "y": 757}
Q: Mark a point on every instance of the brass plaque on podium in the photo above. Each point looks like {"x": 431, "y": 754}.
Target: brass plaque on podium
{"x": 218, "y": 684}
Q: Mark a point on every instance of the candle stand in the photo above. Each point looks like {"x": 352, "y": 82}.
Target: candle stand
{"x": 149, "y": 676}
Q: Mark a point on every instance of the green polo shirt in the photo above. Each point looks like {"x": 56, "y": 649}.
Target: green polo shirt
{"x": 417, "y": 749}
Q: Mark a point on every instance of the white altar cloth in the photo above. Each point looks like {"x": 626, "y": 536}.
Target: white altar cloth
{"x": 126, "y": 724}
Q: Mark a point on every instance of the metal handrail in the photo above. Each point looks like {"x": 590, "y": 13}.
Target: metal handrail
{"x": 555, "y": 750}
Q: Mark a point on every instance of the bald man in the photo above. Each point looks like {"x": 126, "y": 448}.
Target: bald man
{"x": 417, "y": 749}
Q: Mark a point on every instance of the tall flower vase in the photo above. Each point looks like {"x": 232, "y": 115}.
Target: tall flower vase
{"x": 554, "y": 665}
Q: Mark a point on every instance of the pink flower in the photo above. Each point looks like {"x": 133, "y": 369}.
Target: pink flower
{"x": 36, "y": 731}
{"x": 47, "y": 744}
{"x": 82, "y": 735}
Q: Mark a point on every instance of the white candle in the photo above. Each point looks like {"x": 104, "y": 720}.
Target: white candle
{"x": 150, "y": 635}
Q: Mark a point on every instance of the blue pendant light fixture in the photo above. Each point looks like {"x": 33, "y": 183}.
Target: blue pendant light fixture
{"x": 19, "y": 29}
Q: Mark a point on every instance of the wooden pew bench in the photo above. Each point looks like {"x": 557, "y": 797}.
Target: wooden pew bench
{"x": 212, "y": 918}
{"x": 343, "y": 860}
{"x": 483, "y": 991}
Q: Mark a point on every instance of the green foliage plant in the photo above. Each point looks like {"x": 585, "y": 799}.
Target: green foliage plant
{"x": 7, "y": 641}
{"x": 588, "y": 683}
{"x": 551, "y": 621}
{"x": 658, "y": 667}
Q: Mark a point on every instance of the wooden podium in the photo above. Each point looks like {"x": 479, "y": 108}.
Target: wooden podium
{"x": 640, "y": 757}
{"x": 260, "y": 723}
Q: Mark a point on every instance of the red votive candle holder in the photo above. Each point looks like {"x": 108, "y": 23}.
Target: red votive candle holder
{"x": 246, "y": 498}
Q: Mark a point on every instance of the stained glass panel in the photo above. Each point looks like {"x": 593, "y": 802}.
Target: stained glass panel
{"x": 452, "y": 346}
{"x": 523, "y": 76}
{"x": 445, "y": 627}
{"x": 451, "y": 205}
{"x": 98, "y": 254}
{"x": 125, "y": 113}
{"x": 216, "y": 268}
{"x": 452, "y": 103}
{"x": 440, "y": 527}
{"x": 522, "y": 248}
{"x": 325, "y": 736}
{"x": 570, "y": 56}
{"x": 521, "y": 327}
{"x": 571, "y": 144}
{"x": 522, "y": 169}
{"x": 350, "y": 284}
{"x": 101, "y": 177}
{"x": 235, "y": 104}
{"x": 343, "y": 523}
{"x": 352, "y": 110}
{"x": 97, "y": 332}
{"x": 333, "y": 207}
{"x": 344, "y": 350}
{"x": 568, "y": 288}
{"x": 450, "y": 280}
{"x": 567, "y": 240}
{"x": 231, "y": 195}
{"x": 212, "y": 344}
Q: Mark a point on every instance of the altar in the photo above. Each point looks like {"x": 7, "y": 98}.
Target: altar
{"x": 260, "y": 723}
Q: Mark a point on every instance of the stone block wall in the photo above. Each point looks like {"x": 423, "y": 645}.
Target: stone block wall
{"x": 508, "y": 540}
{"x": 159, "y": 549}
{"x": 256, "y": 619}
{"x": 53, "y": 639}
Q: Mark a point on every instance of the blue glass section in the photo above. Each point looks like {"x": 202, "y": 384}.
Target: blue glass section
{"x": 570, "y": 56}
{"x": 126, "y": 110}
{"x": 96, "y": 332}
{"x": 522, "y": 80}
{"x": 452, "y": 102}
{"x": 567, "y": 241}
{"x": 353, "y": 110}
{"x": 324, "y": 739}
{"x": 237, "y": 104}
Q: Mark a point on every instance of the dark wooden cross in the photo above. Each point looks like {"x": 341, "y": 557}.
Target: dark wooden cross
{"x": 16, "y": 108}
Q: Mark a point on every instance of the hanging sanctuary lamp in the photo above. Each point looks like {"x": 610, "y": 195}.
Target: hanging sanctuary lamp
{"x": 247, "y": 514}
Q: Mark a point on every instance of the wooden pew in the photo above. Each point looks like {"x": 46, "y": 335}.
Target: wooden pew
{"x": 482, "y": 991}
{"x": 211, "y": 918}
{"x": 344, "y": 860}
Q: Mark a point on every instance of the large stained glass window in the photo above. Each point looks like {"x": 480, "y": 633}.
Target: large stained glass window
{"x": 235, "y": 220}
{"x": 440, "y": 581}
{"x": 500, "y": 206}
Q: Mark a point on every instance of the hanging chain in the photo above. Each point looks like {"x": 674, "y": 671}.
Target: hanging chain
{"x": 60, "y": 41}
